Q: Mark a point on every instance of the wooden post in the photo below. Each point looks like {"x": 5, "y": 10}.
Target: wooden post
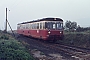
{"x": 6, "y": 21}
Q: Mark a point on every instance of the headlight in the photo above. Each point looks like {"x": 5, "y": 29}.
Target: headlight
{"x": 49, "y": 32}
{"x": 60, "y": 32}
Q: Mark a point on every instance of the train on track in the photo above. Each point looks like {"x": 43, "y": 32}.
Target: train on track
{"x": 47, "y": 29}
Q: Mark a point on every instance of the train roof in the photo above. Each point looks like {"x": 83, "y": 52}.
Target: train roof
{"x": 44, "y": 19}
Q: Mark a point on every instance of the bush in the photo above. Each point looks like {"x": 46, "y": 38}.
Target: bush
{"x": 13, "y": 50}
{"x": 4, "y": 37}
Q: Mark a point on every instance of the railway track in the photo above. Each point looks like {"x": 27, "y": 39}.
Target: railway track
{"x": 74, "y": 48}
{"x": 77, "y": 53}
{"x": 73, "y": 52}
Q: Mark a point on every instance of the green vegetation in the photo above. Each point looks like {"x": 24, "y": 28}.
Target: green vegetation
{"x": 80, "y": 39}
{"x": 11, "y": 49}
{"x": 76, "y": 35}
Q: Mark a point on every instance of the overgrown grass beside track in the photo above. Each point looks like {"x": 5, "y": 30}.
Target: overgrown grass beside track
{"x": 80, "y": 39}
{"x": 11, "y": 49}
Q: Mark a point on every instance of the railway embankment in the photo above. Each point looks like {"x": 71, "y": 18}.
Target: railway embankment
{"x": 79, "y": 39}
{"x": 40, "y": 51}
{"x": 11, "y": 49}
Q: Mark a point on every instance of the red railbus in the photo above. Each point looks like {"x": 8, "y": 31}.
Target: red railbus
{"x": 50, "y": 29}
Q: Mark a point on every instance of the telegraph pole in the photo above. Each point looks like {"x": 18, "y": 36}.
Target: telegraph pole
{"x": 6, "y": 22}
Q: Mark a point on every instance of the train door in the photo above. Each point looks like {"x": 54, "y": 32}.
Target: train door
{"x": 40, "y": 30}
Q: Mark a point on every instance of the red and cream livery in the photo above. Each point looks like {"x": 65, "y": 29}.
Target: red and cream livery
{"x": 45, "y": 29}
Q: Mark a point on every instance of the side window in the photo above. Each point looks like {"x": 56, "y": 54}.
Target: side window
{"x": 29, "y": 26}
{"x": 43, "y": 25}
{"x": 37, "y": 25}
{"x": 18, "y": 26}
{"x": 26, "y": 26}
{"x": 23, "y": 26}
{"x": 40, "y": 25}
{"x": 32, "y": 26}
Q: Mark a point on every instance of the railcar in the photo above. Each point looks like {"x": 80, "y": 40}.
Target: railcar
{"x": 48, "y": 29}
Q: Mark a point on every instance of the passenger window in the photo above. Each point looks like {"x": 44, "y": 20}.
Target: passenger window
{"x": 40, "y": 25}
{"x": 37, "y": 25}
{"x": 43, "y": 25}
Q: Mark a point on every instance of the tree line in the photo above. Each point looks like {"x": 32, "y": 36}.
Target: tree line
{"x": 73, "y": 26}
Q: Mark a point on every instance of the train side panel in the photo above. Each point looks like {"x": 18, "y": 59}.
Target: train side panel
{"x": 43, "y": 34}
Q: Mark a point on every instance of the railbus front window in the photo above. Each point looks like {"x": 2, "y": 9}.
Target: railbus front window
{"x": 53, "y": 25}
{"x": 59, "y": 25}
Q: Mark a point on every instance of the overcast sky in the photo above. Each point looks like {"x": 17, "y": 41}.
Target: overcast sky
{"x": 27, "y": 10}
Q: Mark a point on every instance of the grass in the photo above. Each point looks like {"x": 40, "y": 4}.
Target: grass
{"x": 81, "y": 39}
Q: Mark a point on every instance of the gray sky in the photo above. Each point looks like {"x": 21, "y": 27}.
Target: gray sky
{"x": 27, "y": 10}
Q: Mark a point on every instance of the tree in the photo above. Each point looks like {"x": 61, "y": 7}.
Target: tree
{"x": 83, "y": 29}
{"x": 71, "y": 26}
